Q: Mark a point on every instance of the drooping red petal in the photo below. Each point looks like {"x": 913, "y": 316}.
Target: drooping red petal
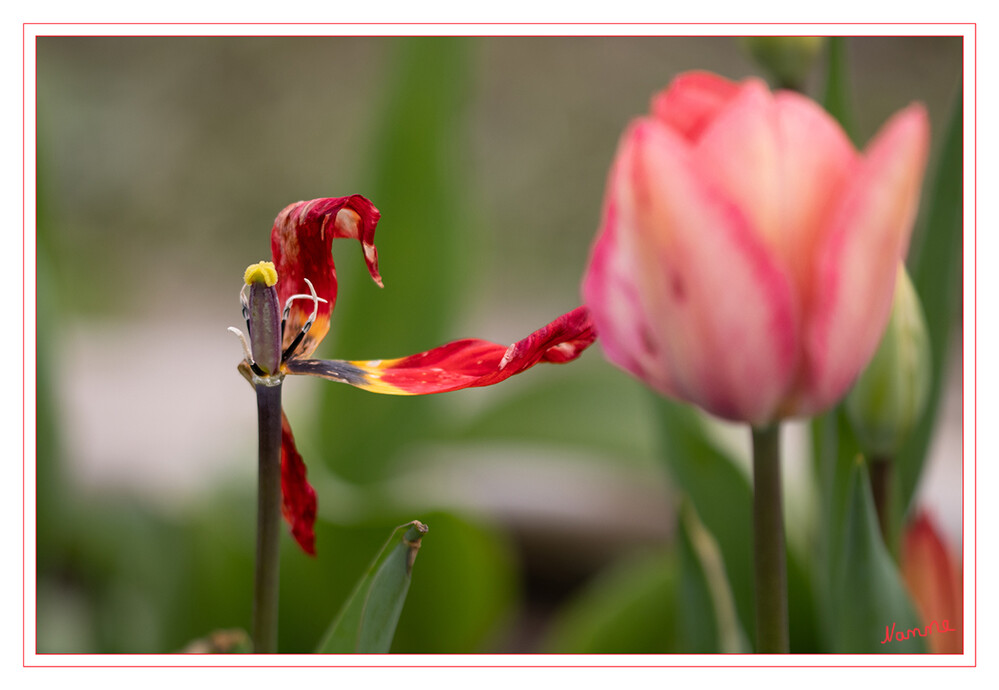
{"x": 298, "y": 499}
{"x": 302, "y": 243}
{"x": 462, "y": 364}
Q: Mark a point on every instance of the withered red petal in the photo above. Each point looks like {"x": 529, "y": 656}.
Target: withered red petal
{"x": 298, "y": 498}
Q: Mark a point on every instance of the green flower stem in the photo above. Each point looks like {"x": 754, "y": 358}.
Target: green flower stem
{"x": 265, "y": 581}
{"x": 882, "y": 477}
{"x": 770, "y": 565}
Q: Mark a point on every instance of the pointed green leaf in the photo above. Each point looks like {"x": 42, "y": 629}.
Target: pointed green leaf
{"x": 868, "y": 592}
{"x": 366, "y": 623}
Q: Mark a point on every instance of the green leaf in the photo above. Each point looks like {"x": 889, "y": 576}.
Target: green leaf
{"x": 706, "y": 619}
{"x": 367, "y": 622}
{"x": 720, "y": 493}
{"x": 867, "y": 593}
{"x": 630, "y": 608}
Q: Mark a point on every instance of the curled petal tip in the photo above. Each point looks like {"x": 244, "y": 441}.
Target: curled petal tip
{"x": 302, "y": 242}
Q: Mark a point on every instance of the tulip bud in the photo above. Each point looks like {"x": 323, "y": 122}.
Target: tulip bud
{"x": 890, "y": 395}
{"x": 787, "y": 58}
{"x": 263, "y": 316}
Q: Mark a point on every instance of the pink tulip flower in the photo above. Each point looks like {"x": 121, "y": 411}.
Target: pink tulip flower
{"x": 747, "y": 253}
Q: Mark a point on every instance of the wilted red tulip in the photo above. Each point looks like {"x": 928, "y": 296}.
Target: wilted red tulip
{"x": 747, "y": 254}
{"x": 934, "y": 580}
{"x": 303, "y": 279}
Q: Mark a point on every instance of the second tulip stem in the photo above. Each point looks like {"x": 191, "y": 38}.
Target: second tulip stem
{"x": 770, "y": 567}
{"x": 881, "y": 485}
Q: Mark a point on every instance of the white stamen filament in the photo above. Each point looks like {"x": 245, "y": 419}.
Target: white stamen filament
{"x": 315, "y": 302}
{"x": 242, "y": 339}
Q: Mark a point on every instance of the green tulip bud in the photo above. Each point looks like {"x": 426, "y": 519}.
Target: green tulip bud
{"x": 787, "y": 58}
{"x": 890, "y": 395}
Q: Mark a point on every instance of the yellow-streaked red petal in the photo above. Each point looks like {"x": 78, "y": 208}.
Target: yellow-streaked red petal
{"x": 302, "y": 243}
{"x": 461, "y": 364}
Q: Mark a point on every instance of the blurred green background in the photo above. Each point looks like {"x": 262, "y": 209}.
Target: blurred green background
{"x": 161, "y": 165}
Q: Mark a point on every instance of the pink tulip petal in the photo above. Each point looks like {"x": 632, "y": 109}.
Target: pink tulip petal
{"x": 691, "y": 101}
{"x": 868, "y": 234}
{"x": 723, "y": 334}
{"x": 739, "y": 153}
{"x": 816, "y": 158}
{"x": 302, "y": 243}
{"x": 610, "y": 290}
{"x": 782, "y": 160}
{"x": 298, "y": 499}
{"x": 461, "y": 364}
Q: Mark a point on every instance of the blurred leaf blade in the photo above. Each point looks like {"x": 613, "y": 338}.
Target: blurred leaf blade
{"x": 414, "y": 180}
{"x": 596, "y": 409}
{"x": 935, "y": 264}
{"x": 368, "y": 619}
{"x": 720, "y": 493}
{"x": 627, "y": 609}
{"x": 868, "y": 591}
{"x": 706, "y": 619}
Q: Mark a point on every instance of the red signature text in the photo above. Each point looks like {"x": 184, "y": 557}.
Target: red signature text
{"x": 933, "y": 627}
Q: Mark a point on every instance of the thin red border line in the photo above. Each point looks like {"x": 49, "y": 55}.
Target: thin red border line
{"x": 587, "y": 666}
{"x": 548, "y": 665}
{"x": 404, "y": 35}
{"x": 972, "y": 25}
{"x": 24, "y": 346}
{"x": 494, "y": 23}
{"x": 23, "y": 395}
{"x": 974, "y": 240}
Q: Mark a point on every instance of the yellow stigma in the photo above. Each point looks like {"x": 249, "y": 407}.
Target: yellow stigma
{"x": 262, "y": 272}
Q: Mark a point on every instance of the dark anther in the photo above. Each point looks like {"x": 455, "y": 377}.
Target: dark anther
{"x": 290, "y": 350}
